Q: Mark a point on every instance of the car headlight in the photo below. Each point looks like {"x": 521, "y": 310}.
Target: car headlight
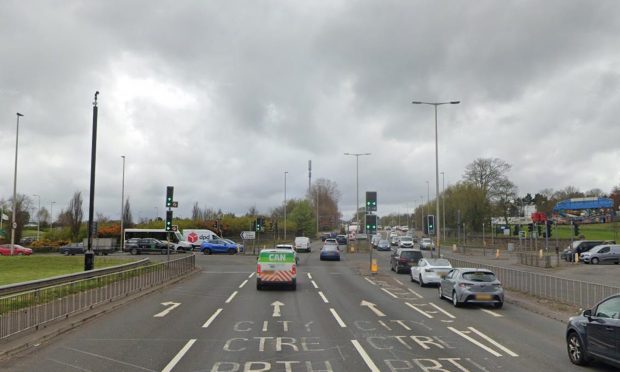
{"x": 497, "y": 286}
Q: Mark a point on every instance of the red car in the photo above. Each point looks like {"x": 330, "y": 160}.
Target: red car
{"x": 18, "y": 250}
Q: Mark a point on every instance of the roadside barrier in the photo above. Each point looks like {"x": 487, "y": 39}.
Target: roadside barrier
{"x": 35, "y": 308}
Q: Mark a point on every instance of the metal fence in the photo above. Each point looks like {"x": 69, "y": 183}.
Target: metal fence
{"x": 567, "y": 291}
{"x": 33, "y": 309}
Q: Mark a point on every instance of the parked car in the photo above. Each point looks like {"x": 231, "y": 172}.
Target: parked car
{"x": 464, "y": 285}
{"x": 430, "y": 271}
{"x": 605, "y": 253}
{"x": 341, "y": 239}
{"x": 72, "y": 249}
{"x": 218, "y": 246}
{"x": 383, "y": 245}
{"x": 149, "y": 245}
{"x": 27, "y": 239}
{"x": 405, "y": 242}
{"x": 581, "y": 246}
{"x": 330, "y": 252}
{"x": 427, "y": 244}
{"x": 276, "y": 266}
{"x": 591, "y": 335}
{"x": 18, "y": 250}
{"x": 302, "y": 243}
{"x": 404, "y": 258}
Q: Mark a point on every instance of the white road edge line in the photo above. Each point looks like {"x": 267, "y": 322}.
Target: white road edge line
{"x": 414, "y": 292}
{"x": 489, "y": 339}
{"x": 231, "y": 297}
{"x": 388, "y": 292}
{"x": 338, "y": 319}
{"x": 475, "y": 342}
{"x": 309, "y": 276}
{"x": 371, "y": 365}
{"x": 419, "y": 311}
{"x": 323, "y": 297}
{"x": 251, "y": 275}
{"x": 442, "y": 310}
{"x": 179, "y": 355}
{"x": 369, "y": 281}
{"x": 212, "y": 318}
{"x": 244, "y": 283}
{"x": 314, "y": 284}
{"x": 492, "y": 313}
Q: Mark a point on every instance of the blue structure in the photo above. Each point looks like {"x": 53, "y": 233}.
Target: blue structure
{"x": 584, "y": 210}
{"x": 583, "y": 203}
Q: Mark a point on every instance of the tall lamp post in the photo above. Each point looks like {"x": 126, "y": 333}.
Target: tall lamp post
{"x": 357, "y": 186}
{"x": 14, "y": 224}
{"x": 443, "y": 204}
{"x": 435, "y": 104}
{"x": 52, "y": 215}
{"x": 38, "y": 216}
{"x": 285, "y": 173}
{"x": 122, "y": 237}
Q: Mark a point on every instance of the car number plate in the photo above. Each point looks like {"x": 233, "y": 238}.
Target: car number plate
{"x": 483, "y": 297}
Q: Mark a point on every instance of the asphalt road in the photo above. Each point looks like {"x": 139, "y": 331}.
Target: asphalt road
{"x": 341, "y": 318}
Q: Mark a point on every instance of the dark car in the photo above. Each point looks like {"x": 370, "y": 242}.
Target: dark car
{"x": 581, "y": 246}
{"x": 595, "y": 334}
{"x": 330, "y": 252}
{"x": 150, "y": 245}
{"x": 383, "y": 245}
{"x": 72, "y": 249}
{"x": 404, "y": 258}
{"x": 341, "y": 239}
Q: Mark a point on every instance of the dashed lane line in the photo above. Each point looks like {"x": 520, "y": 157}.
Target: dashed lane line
{"x": 309, "y": 276}
{"x": 212, "y": 318}
{"x": 338, "y": 319}
{"x": 371, "y": 365}
{"x": 314, "y": 284}
{"x": 179, "y": 355}
{"x": 323, "y": 297}
{"x": 231, "y": 297}
{"x": 251, "y": 275}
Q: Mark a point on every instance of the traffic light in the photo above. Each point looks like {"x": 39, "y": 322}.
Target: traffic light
{"x": 169, "y": 196}
{"x": 254, "y": 225}
{"x": 371, "y": 201}
{"x": 371, "y": 224}
{"x": 548, "y": 229}
{"x": 168, "y": 226}
{"x": 431, "y": 224}
{"x": 539, "y": 229}
{"x": 216, "y": 225}
{"x": 576, "y": 229}
{"x": 259, "y": 224}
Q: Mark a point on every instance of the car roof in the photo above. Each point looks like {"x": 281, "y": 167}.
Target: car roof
{"x": 472, "y": 269}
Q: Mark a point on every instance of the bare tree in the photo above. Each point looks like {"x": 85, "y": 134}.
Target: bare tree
{"x": 488, "y": 175}
{"x": 326, "y": 194}
{"x": 102, "y": 218}
{"x": 74, "y": 214}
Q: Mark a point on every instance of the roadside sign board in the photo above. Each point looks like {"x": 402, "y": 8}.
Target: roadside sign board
{"x": 248, "y": 235}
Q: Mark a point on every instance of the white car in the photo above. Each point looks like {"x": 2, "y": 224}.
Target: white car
{"x": 430, "y": 271}
{"x": 289, "y": 247}
{"x": 427, "y": 243}
{"x": 405, "y": 242}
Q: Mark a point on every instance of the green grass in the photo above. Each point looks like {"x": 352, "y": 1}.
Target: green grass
{"x": 18, "y": 269}
{"x": 598, "y": 231}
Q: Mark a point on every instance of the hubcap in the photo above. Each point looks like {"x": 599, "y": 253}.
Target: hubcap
{"x": 574, "y": 348}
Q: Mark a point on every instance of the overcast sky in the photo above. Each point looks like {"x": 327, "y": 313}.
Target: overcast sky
{"x": 219, "y": 98}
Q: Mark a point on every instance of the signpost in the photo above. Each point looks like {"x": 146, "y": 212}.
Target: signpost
{"x": 248, "y": 235}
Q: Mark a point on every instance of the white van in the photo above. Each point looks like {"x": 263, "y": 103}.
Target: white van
{"x": 302, "y": 243}
{"x": 197, "y": 237}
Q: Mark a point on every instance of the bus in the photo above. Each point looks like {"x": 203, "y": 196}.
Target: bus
{"x": 173, "y": 237}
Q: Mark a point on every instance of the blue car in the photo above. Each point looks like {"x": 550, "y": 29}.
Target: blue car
{"x": 330, "y": 252}
{"x": 218, "y": 246}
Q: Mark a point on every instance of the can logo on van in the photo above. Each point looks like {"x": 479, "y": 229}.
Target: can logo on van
{"x": 192, "y": 237}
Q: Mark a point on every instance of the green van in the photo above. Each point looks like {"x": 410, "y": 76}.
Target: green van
{"x": 276, "y": 266}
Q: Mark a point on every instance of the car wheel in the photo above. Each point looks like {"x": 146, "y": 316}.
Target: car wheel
{"x": 294, "y": 285}
{"x": 231, "y": 251}
{"x": 258, "y": 286}
{"x": 498, "y": 305}
{"x": 134, "y": 251}
{"x": 440, "y": 294}
{"x": 422, "y": 284}
{"x": 208, "y": 251}
{"x": 412, "y": 278}
{"x": 66, "y": 253}
{"x": 594, "y": 261}
{"x": 455, "y": 300}
{"x": 576, "y": 353}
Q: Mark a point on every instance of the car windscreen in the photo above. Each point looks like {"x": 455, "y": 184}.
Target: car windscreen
{"x": 383, "y": 242}
{"x": 406, "y": 239}
{"x": 479, "y": 276}
{"x": 410, "y": 254}
{"x": 330, "y": 247}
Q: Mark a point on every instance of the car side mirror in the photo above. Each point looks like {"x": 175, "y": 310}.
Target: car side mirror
{"x": 587, "y": 313}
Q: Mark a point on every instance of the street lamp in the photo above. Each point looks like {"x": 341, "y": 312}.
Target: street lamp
{"x": 443, "y": 203}
{"x": 285, "y": 173}
{"x": 14, "y": 224}
{"x": 435, "y": 104}
{"x": 52, "y": 215}
{"x": 122, "y": 237}
{"x": 357, "y": 187}
{"x": 38, "y": 216}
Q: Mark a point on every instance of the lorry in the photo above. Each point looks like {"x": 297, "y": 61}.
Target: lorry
{"x": 352, "y": 231}
{"x": 196, "y": 237}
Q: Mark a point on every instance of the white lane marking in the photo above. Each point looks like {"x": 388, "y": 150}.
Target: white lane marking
{"x": 338, "y": 319}
{"x": 388, "y": 292}
{"x": 419, "y": 311}
{"x": 244, "y": 283}
{"x": 492, "y": 313}
{"x": 231, "y": 297}
{"x": 276, "y": 308}
{"x": 442, "y": 310}
{"x": 492, "y": 341}
{"x": 251, "y": 275}
{"x": 372, "y": 307}
{"x": 323, "y": 297}
{"x": 369, "y": 281}
{"x": 179, "y": 355}
{"x": 212, "y": 318}
{"x": 398, "y": 281}
{"x": 314, "y": 284}
{"x": 309, "y": 276}
{"x": 371, "y": 365}
{"x": 414, "y": 292}
{"x": 172, "y": 306}
{"x": 474, "y": 341}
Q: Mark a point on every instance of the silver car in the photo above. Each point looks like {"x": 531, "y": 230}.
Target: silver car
{"x": 602, "y": 254}
{"x": 464, "y": 286}
{"x": 430, "y": 271}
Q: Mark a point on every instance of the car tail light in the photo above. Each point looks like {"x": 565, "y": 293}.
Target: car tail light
{"x": 258, "y": 269}
{"x": 294, "y": 270}
{"x": 465, "y": 285}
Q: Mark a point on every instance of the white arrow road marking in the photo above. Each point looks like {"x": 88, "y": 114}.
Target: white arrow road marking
{"x": 371, "y": 365}
{"x": 276, "y": 308}
{"x": 212, "y": 318}
{"x": 372, "y": 307}
{"x": 179, "y": 355}
{"x": 172, "y": 305}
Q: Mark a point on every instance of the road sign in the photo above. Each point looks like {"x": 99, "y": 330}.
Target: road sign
{"x": 248, "y": 235}
{"x": 175, "y": 204}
